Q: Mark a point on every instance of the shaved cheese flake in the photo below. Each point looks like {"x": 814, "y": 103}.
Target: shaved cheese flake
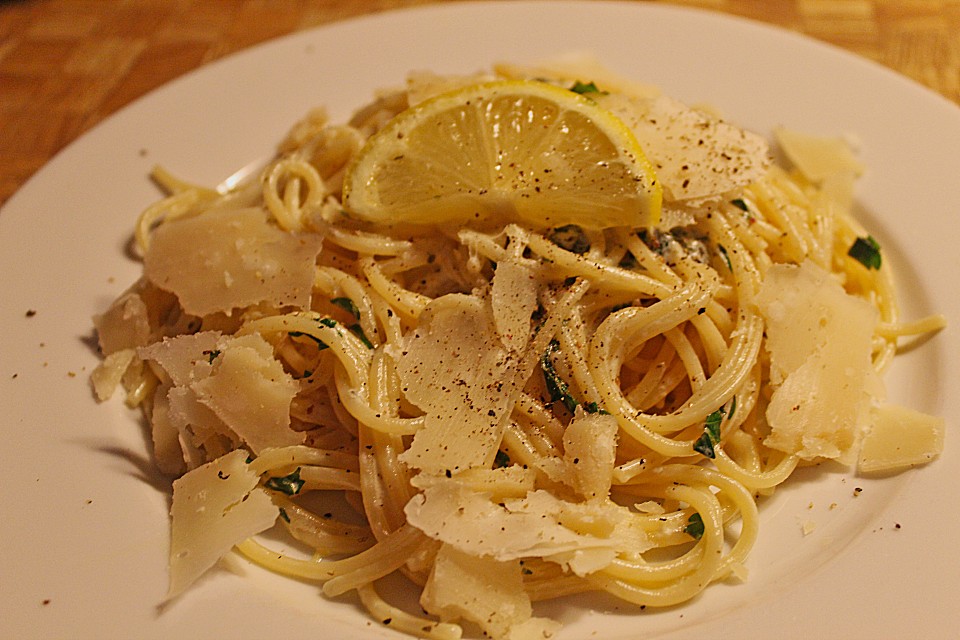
{"x": 485, "y": 591}
{"x": 538, "y": 525}
{"x": 820, "y": 343}
{"x": 198, "y": 422}
{"x": 250, "y": 391}
{"x": 184, "y": 358}
{"x": 818, "y": 158}
{"x": 167, "y": 450}
{"x": 513, "y": 297}
{"x": 214, "y": 507}
{"x": 513, "y": 481}
{"x": 125, "y": 325}
{"x": 579, "y": 66}
{"x": 899, "y": 438}
{"x": 589, "y": 449}
{"x": 226, "y": 390}
{"x": 227, "y": 259}
{"x": 456, "y": 370}
{"x": 108, "y": 374}
{"x": 422, "y": 85}
{"x": 695, "y": 156}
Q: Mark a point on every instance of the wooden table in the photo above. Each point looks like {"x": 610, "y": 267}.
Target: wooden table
{"x": 67, "y": 64}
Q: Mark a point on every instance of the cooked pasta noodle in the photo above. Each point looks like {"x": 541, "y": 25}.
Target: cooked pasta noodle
{"x": 632, "y": 416}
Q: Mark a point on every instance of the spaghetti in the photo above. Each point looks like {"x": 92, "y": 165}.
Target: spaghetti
{"x": 510, "y": 413}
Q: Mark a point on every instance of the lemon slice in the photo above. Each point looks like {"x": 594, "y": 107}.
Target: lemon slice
{"x": 523, "y": 151}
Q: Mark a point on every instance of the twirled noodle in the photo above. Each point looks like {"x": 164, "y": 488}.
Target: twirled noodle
{"x": 632, "y": 417}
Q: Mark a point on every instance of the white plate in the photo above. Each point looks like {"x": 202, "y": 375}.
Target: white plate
{"x": 83, "y": 526}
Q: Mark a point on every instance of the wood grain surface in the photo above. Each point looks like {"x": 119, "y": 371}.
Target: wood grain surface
{"x": 67, "y": 64}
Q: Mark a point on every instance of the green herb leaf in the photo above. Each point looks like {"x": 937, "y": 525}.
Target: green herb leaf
{"x": 593, "y": 407}
{"x": 321, "y": 345}
{"x": 348, "y": 305}
{"x": 501, "y": 460}
{"x": 212, "y": 354}
{"x": 712, "y": 424}
{"x": 694, "y": 526}
{"x": 290, "y": 484}
{"x": 704, "y": 445}
{"x": 570, "y": 237}
{"x": 585, "y": 87}
{"x": 556, "y": 386}
{"x": 357, "y": 330}
{"x": 866, "y": 251}
{"x": 726, "y": 258}
{"x": 283, "y": 514}
{"x": 740, "y": 204}
{"x": 711, "y": 434}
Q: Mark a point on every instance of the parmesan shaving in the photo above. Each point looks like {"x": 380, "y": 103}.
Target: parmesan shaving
{"x": 108, "y": 374}
{"x": 513, "y": 298}
{"x": 579, "y": 66}
{"x": 899, "y": 438}
{"x": 124, "y": 325}
{"x": 249, "y": 390}
{"x": 589, "y": 448}
{"x": 456, "y": 370}
{"x": 485, "y": 591}
{"x": 231, "y": 259}
{"x": 167, "y": 444}
{"x": 820, "y": 343}
{"x": 818, "y": 158}
{"x": 538, "y": 525}
{"x": 696, "y": 156}
{"x": 214, "y": 507}
{"x": 228, "y": 386}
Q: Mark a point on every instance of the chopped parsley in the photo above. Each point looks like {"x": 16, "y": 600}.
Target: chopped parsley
{"x": 324, "y": 322}
{"x": 321, "y": 345}
{"x": 593, "y": 407}
{"x": 357, "y": 330}
{"x": 740, "y": 203}
{"x": 212, "y": 354}
{"x": 726, "y": 257}
{"x": 866, "y": 251}
{"x": 556, "y": 386}
{"x": 501, "y": 460}
{"x": 585, "y": 87}
{"x": 694, "y": 526}
{"x": 711, "y": 434}
{"x": 348, "y": 305}
{"x": 283, "y": 514}
{"x": 290, "y": 484}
